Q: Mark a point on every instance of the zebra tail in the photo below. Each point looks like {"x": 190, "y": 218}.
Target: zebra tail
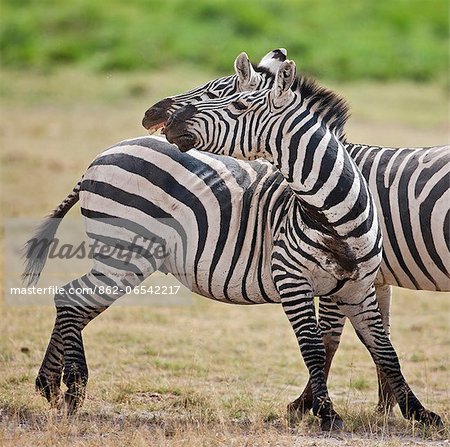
{"x": 37, "y": 248}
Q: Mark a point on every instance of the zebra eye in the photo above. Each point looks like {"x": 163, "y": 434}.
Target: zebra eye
{"x": 239, "y": 105}
{"x": 211, "y": 95}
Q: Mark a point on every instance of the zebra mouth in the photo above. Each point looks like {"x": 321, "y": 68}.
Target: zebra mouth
{"x": 155, "y": 128}
{"x": 176, "y": 129}
{"x": 155, "y": 121}
{"x": 157, "y": 115}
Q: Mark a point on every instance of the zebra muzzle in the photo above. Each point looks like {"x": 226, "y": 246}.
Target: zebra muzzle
{"x": 157, "y": 115}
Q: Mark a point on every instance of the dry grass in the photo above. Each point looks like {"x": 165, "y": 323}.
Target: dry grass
{"x": 181, "y": 376}
{"x": 209, "y": 374}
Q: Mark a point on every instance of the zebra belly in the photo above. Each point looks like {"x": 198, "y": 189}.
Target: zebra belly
{"x": 239, "y": 281}
{"x": 205, "y": 209}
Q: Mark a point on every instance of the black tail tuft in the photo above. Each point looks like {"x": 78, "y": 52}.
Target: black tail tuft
{"x": 36, "y": 249}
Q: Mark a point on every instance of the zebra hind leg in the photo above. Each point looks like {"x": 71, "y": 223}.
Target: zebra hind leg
{"x": 331, "y": 324}
{"x": 386, "y": 398}
{"x": 82, "y": 300}
{"x": 48, "y": 380}
{"x": 367, "y": 321}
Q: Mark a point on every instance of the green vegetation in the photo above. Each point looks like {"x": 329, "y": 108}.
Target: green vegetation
{"x": 343, "y": 40}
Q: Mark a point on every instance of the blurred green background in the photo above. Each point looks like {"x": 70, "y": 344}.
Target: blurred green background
{"x": 338, "y": 40}
{"x": 77, "y": 75}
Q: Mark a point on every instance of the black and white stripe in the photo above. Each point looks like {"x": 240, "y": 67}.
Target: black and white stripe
{"x": 108, "y": 227}
{"x": 264, "y": 187}
{"x": 214, "y": 216}
{"x": 411, "y": 190}
{"x": 196, "y": 189}
{"x": 330, "y": 242}
{"x": 394, "y": 176}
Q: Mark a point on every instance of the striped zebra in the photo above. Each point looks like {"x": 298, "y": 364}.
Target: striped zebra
{"x": 328, "y": 242}
{"x": 65, "y": 350}
{"x": 216, "y": 218}
{"x": 254, "y": 185}
{"x": 411, "y": 190}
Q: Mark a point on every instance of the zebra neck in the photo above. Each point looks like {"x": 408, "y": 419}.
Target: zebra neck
{"x": 327, "y": 184}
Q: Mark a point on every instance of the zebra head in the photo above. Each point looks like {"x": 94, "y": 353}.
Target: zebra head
{"x": 268, "y": 123}
{"x": 235, "y": 125}
{"x": 247, "y": 78}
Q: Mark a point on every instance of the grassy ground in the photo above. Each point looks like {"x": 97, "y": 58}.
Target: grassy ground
{"x": 182, "y": 376}
{"x": 208, "y": 374}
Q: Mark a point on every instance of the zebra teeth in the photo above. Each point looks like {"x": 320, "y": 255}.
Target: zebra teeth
{"x": 158, "y": 129}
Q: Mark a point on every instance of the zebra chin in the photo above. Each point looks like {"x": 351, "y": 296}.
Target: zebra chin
{"x": 184, "y": 142}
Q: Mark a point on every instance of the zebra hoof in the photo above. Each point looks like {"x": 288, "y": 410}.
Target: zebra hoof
{"x": 48, "y": 388}
{"x": 71, "y": 403}
{"x": 334, "y": 423}
{"x": 73, "y": 399}
{"x": 384, "y": 410}
{"x": 429, "y": 418}
{"x": 300, "y": 406}
{"x": 386, "y": 404}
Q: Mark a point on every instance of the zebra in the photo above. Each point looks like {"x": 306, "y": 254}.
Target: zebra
{"x": 215, "y": 217}
{"x": 329, "y": 240}
{"x": 404, "y": 181}
{"x": 60, "y": 354}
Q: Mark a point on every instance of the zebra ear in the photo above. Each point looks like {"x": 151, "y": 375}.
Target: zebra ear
{"x": 285, "y": 78}
{"x": 272, "y": 61}
{"x": 244, "y": 69}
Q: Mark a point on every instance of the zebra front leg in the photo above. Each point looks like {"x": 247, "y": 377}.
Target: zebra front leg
{"x": 331, "y": 324}
{"x": 366, "y": 319}
{"x": 299, "y": 309}
{"x": 48, "y": 380}
{"x": 386, "y": 398}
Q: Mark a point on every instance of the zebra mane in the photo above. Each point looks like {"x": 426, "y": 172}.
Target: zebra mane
{"x": 331, "y": 107}
{"x": 264, "y": 70}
